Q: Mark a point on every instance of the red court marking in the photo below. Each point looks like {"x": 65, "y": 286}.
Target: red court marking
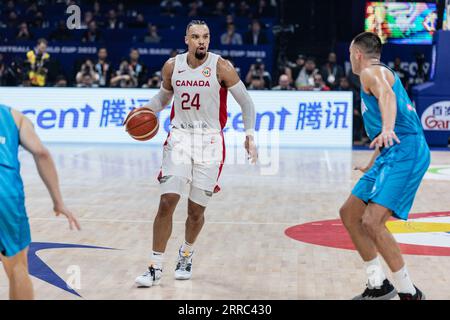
{"x": 331, "y": 233}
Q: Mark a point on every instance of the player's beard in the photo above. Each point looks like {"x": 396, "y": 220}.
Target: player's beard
{"x": 199, "y": 55}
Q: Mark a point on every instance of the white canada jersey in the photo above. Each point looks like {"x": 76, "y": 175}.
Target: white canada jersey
{"x": 200, "y": 102}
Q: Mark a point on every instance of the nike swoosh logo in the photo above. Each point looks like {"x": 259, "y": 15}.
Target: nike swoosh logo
{"x": 181, "y": 71}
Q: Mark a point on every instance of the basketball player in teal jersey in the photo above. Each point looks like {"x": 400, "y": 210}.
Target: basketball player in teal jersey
{"x": 15, "y": 130}
{"x": 392, "y": 178}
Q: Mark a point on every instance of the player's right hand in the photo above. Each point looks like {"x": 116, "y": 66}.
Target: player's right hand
{"x": 385, "y": 139}
{"x": 250, "y": 146}
{"x": 61, "y": 209}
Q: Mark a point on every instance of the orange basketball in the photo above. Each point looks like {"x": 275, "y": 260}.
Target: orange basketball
{"x": 142, "y": 124}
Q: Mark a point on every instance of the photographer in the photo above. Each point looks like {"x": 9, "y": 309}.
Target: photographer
{"x": 125, "y": 76}
{"x": 86, "y": 81}
{"x": 305, "y": 79}
{"x": 154, "y": 81}
{"x": 257, "y": 70}
{"x": 421, "y": 75}
{"x": 139, "y": 69}
{"x": 87, "y": 68}
{"x": 103, "y": 67}
{"x": 37, "y": 64}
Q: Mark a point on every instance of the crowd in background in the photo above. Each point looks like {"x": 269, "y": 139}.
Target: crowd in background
{"x": 38, "y": 68}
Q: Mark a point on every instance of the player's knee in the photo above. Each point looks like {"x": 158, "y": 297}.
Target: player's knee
{"x": 200, "y": 198}
{"x": 370, "y": 224}
{"x": 18, "y": 271}
{"x": 168, "y": 203}
{"x": 343, "y": 213}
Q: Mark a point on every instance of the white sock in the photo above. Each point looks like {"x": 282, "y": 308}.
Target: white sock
{"x": 403, "y": 282}
{"x": 156, "y": 259}
{"x": 186, "y": 248}
{"x": 375, "y": 273}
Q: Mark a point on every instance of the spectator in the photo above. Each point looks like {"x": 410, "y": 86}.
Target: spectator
{"x": 152, "y": 35}
{"x": 3, "y": 71}
{"x": 243, "y": 10}
{"x": 402, "y": 73}
{"x": 103, "y": 68}
{"x": 112, "y": 22}
{"x": 139, "y": 22}
{"x": 139, "y": 69}
{"x": 297, "y": 66}
{"x": 154, "y": 81}
{"x": 283, "y": 83}
{"x": 31, "y": 11}
{"x": 228, "y": 19}
{"x": 87, "y": 81}
{"x": 12, "y": 20}
{"x": 24, "y": 33}
{"x": 332, "y": 72}
{"x": 195, "y": 9}
{"x": 344, "y": 85}
{"x": 255, "y": 36}
{"x": 96, "y": 11}
{"x": 37, "y": 63}
{"x": 10, "y": 6}
{"x": 92, "y": 34}
{"x": 88, "y": 17}
{"x": 305, "y": 79}
{"x": 87, "y": 68}
{"x": 257, "y": 70}
{"x": 61, "y": 33}
{"x": 319, "y": 83}
{"x": 61, "y": 81}
{"x": 231, "y": 37}
{"x": 14, "y": 73}
{"x": 256, "y": 83}
{"x": 170, "y": 7}
{"x": 358, "y": 129}
{"x": 38, "y": 21}
{"x": 219, "y": 9}
{"x": 121, "y": 12}
{"x": 264, "y": 10}
{"x": 125, "y": 77}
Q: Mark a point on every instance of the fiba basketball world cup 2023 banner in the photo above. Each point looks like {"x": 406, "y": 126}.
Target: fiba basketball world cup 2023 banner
{"x": 286, "y": 118}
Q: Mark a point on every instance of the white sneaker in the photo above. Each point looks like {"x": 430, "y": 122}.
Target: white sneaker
{"x": 183, "y": 271}
{"x": 151, "y": 277}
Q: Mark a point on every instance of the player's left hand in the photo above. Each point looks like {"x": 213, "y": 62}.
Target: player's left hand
{"x": 385, "y": 139}
{"x": 250, "y": 146}
{"x": 61, "y": 209}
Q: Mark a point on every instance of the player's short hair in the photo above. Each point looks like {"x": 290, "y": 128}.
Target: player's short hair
{"x": 369, "y": 43}
{"x": 195, "y": 23}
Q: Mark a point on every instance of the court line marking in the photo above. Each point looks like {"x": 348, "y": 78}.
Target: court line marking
{"x": 327, "y": 159}
{"x": 177, "y": 222}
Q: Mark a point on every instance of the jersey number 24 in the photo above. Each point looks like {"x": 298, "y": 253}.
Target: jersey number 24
{"x": 194, "y": 103}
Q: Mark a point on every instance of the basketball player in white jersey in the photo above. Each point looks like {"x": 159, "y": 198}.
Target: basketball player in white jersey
{"x": 194, "y": 151}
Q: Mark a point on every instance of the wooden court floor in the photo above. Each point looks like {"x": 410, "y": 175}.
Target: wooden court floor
{"x": 242, "y": 252}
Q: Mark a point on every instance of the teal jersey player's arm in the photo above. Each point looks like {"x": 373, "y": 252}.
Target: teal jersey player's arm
{"x": 45, "y": 165}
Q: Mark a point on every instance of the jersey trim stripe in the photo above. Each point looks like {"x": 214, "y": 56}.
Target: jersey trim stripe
{"x": 223, "y": 116}
{"x": 217, "y": 188}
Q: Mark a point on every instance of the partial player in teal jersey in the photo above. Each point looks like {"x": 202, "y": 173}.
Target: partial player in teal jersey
{"x": 392, "y": 177}
{"x": 15, "y": 130}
